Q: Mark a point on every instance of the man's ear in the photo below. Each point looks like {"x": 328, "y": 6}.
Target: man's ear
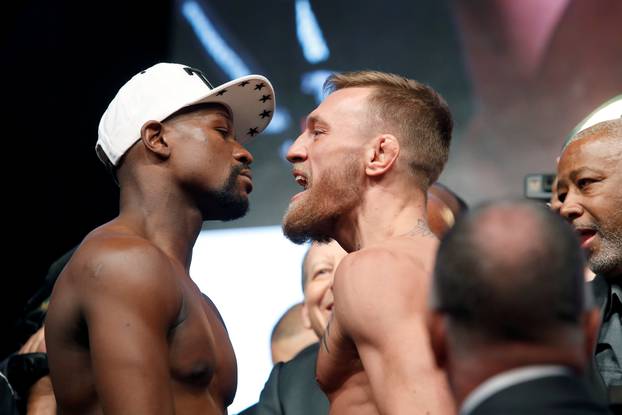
{"x": 152, "y": 136}
{"x": 381, "y": 155}
{"x": 437, "y": 330}
{"x": 306, "y": 321}
{"x": 591, "y": 327}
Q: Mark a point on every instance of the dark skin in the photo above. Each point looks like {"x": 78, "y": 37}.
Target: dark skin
{"x": 588, "y": 196}
{"x": 127, "y": 329}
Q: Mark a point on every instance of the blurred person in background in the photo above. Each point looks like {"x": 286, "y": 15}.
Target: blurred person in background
{"x": 511, "y": 320}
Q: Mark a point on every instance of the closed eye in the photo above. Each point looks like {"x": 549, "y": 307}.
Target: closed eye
{"x": 321, "y": 272}
{"x": 224, "y": 132}
{"x": 317, "y": 132}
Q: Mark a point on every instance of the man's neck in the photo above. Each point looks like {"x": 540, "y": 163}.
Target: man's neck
{"x": 384, "y": 213}
{"x": 169, "y": 221}
{"x": 468, "y": 371}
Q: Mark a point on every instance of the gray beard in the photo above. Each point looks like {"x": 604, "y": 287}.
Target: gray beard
{"x": 609, "y": 256}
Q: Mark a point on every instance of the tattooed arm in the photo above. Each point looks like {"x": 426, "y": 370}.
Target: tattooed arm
{"x": 380, "y": 298}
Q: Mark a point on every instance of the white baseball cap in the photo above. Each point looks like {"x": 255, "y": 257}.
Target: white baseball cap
{"x": 164, "y": 89}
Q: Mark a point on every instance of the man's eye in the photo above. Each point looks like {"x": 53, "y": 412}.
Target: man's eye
{"x": 321, "y": 272}
{"x": 223, "y": 131}
{"x": 582, "y": 183}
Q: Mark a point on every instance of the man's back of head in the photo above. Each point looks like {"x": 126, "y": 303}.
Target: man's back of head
{"x": 509, "y": 287}
{"x": 412, "y": 111}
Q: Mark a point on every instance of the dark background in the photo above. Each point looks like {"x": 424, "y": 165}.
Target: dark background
{"x": 63, "y": 62}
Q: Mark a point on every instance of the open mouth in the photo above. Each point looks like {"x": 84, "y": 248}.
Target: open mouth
{"x": 301, "y": 179}
{"x": 585, "y": 235}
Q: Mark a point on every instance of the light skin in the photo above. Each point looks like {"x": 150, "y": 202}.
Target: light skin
{"x": 286, "y": 349}
{"x": 442, "y": 208}
{"x": 589, "y": 196}
{"x": 375, "y": 351}
{"x": 127, "y": 330}
{"x": 320, "y": 266}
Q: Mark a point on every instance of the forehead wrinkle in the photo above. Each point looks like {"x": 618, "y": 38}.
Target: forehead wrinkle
{"x": 594, "y": 142}
{"x": 591, "y": 152}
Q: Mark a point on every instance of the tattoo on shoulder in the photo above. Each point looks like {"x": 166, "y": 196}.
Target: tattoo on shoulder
{"x": 421, "y": 229}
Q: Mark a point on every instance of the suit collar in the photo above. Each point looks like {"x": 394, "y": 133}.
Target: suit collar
{"x": 506, "y": 379}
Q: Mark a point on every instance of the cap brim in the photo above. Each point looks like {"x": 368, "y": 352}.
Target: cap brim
{"x": 251, "y": 101}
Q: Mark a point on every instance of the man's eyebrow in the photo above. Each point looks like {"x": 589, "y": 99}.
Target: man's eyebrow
{"x": 225, "y": 114}
{"x": 584, "y": 169}
{"x": 315, "y": 119}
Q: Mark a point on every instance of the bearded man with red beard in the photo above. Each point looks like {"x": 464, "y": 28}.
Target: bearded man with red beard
{"x": 589, "y": 196}
{"x": 365, "y": 159}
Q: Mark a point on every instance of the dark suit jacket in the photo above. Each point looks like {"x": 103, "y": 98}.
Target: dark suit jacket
{"x": 552, "y": 395}
{"x": 291, "y": 388}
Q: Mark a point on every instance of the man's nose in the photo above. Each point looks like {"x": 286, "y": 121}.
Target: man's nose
{"x": 570, "y": 208}
{"x": 297, "y": 151}
{"x": 242, "y": 155}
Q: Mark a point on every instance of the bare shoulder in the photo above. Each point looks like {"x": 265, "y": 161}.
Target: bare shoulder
{"x": 112, "y": 253}
{"x": 394, "y": 274}
{"x": 397, "y": 259}
{"x": 111, "y": 261}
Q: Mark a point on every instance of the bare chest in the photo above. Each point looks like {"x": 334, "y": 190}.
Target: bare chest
{"x": 201, "y": 355}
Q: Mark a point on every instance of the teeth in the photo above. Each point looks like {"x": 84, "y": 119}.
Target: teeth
{"x": 301, "y": 181}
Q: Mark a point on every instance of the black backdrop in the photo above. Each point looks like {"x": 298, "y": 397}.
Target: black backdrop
{"x": 62, "y": 62}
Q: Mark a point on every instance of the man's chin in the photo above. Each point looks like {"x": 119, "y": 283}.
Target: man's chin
{"x": 228, "y": 209}
{"x": 236, "y": 211}
{"x": 300, "y": 233}
{"x": 295, "y": 234}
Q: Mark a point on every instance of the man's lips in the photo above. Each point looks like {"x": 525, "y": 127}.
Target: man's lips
{"x": 302, "y": 180}
{"x": 247, "y": 173}
{"x": 585, "y": 235}
{"x": 249, "y": 178}
{"x": 296, "y": 196}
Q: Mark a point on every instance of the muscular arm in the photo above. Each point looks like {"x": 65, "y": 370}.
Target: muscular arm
{"x": 129, "y": 299}
{"x": 380, "y": 299}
